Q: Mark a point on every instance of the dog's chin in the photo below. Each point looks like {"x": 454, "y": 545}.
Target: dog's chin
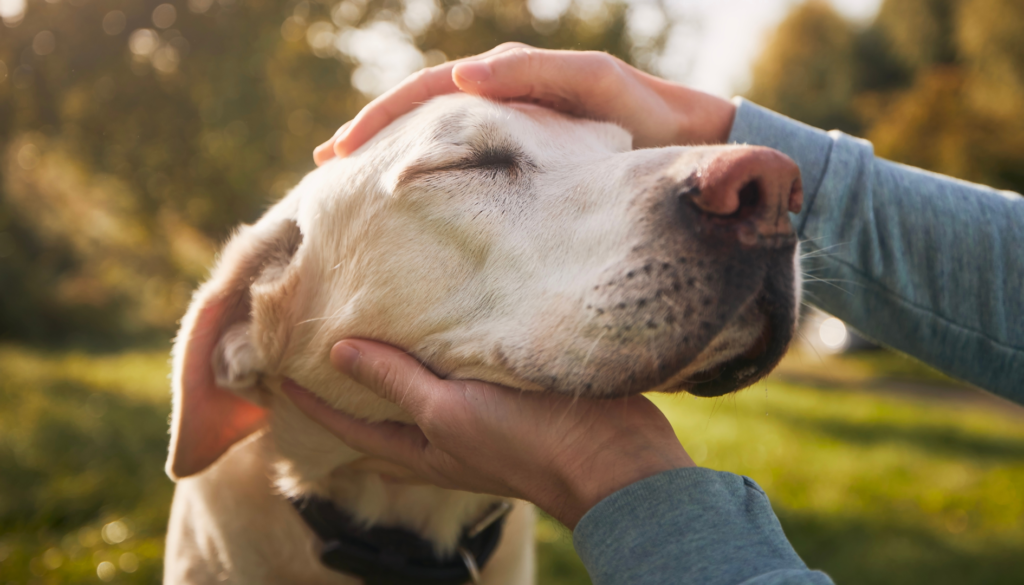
{"x": 743, "y": 352}
{"x": 748, "y": 363}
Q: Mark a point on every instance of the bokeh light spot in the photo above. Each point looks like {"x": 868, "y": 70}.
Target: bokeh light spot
{"x": 166, "y": 59}
{"x": 12, "y": 11}
{"x": 292, "y": 29}
{"x": 106, "y": 571}
{"x": 44, "y": 43}
{"x": 28, "y": 156}
{"x": 114, "y": 22}
{"x": 832, "y": 333}
{"x": 459, "y": 17}
{"x": 347, "y": 13}
{"x": 164, "y": 16}
{"x": 115, "y": 532}
{"x": 53, "y": 559}
{"x": 143, "y": 42}
{"x": 128, "y": 562}
{"x": 199, "y": 6}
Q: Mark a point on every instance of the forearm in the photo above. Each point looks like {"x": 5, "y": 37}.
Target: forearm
{"x": 689, "y": 525}
{"x": 928, "y": 265}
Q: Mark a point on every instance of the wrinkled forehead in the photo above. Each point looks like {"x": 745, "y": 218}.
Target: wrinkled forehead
{"x": 462, "y": 120}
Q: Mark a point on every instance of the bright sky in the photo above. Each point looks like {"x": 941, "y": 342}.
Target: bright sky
{"x": 733, "y": 32}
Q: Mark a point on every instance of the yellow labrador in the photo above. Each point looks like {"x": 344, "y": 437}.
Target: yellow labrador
{"x": 506, "y": 243}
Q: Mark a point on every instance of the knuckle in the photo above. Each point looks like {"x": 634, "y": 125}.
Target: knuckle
{"x": 511, "y": 45}
{"x": 387, "y": 376}
{"x": 601, "y": 64}
{"x": 605, "y": 72}
{"x": 419, "y": 76}
{"x": 523, "y": 53}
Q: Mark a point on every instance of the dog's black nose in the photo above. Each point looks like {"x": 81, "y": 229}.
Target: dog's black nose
{"x": 747, "y": 190}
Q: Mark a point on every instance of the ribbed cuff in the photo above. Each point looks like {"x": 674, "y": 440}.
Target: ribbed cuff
{"x": 690, "y": 525}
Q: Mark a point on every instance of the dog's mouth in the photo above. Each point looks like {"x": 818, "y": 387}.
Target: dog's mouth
{"x": 709, "y": 330}
{"x": 744, "y": 349}
{"x": 749, "y": 366}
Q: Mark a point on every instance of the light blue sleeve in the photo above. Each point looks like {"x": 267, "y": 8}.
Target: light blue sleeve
{"x": 928, "y": 265}
{"x": 925, "y": 264}
{"x": 689, "y": 525}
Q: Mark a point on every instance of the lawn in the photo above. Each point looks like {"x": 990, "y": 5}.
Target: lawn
{"x": 880, "y": 471}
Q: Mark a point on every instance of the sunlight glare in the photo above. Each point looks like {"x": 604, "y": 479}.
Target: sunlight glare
{"x": 832, "y": 333}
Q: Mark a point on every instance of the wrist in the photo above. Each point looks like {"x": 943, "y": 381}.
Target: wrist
{"x": 709, "y": 119}
{"x": 700, "y": 118}
{"x": 585, "y": 486}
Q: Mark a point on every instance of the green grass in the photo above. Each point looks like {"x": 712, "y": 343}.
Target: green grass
{"x": 870, "y": 487}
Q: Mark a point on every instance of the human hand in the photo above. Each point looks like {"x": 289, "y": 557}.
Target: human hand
{"x": 588, "y": 84}
{"x": 565, "y": 455}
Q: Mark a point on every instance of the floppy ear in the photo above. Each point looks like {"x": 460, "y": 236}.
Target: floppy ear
{"x": 216, "y": 362}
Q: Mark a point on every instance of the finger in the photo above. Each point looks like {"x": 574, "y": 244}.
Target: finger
{"x": 389, "y": 372}
{"x": 397, "y": 101}
{"x": 396, "y": 442}
{"x": 402, "y": 99}
{"x": 325, "y": 151}
{"x": 554, "y": 77}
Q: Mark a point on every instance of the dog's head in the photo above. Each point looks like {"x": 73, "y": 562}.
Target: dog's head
{"x": 505, "y": 243}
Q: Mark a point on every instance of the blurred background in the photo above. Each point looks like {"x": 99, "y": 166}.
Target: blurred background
{"x": 135, "y": 134}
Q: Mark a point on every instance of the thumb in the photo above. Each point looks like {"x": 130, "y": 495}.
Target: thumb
{"x": 389, "y": 372}
{"x": 398, "y": 443}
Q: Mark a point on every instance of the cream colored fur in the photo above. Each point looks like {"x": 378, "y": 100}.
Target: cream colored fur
{"x": 479, "y": 271}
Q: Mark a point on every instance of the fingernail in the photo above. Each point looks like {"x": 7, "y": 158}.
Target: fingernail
{"x": 344, "y": 356}
{"x": 476, "y": 71}
{"x": 343, "y": 129}
{"x": 339, "y": 146}
{"x": 324, "y": 152}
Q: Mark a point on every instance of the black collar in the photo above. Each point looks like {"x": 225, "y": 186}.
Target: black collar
{"x": 395, "y": 556}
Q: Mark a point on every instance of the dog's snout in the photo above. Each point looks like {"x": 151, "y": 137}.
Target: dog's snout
{"x": 749, "y": 187}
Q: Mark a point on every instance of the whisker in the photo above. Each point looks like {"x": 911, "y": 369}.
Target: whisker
{"x": 831, "y": 282}
{"x": 821, "y": 251}
{"x": 810, "y": 345}
{"x": 586, "y": 358}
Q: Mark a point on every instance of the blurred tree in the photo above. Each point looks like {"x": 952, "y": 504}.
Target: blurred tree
{"x": 134, "y": 133}
{"x": 938, "y": 84}
{"x": 808, "y": 67}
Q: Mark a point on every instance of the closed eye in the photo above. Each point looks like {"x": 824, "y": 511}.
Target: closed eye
{"x": 494, "y": 157}
{"x": 497, "y": 159}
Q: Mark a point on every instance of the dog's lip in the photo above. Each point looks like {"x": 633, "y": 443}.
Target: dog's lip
{"x": 738, "y": 371}
{"x": 756, "y": 351}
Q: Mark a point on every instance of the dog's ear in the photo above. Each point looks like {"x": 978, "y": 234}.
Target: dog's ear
{"x": 216, "y": 362}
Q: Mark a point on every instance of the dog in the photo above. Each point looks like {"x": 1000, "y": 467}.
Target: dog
{"x": 503, "y": 242}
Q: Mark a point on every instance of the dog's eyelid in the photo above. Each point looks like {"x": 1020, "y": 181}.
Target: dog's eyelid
{"x": 505, "y": 158}
{"x": 493, "y": 158}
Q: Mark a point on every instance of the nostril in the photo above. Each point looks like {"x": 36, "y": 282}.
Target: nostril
{"x": 688, "y": 190}
{"x": 750, "y": 199}
{"x": 744, "y": 204}
{"x": 740, "y": 185}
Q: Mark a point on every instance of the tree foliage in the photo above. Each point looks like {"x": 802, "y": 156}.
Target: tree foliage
{"x": 135, "y": 133}
{"x": 937, "y": 84}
